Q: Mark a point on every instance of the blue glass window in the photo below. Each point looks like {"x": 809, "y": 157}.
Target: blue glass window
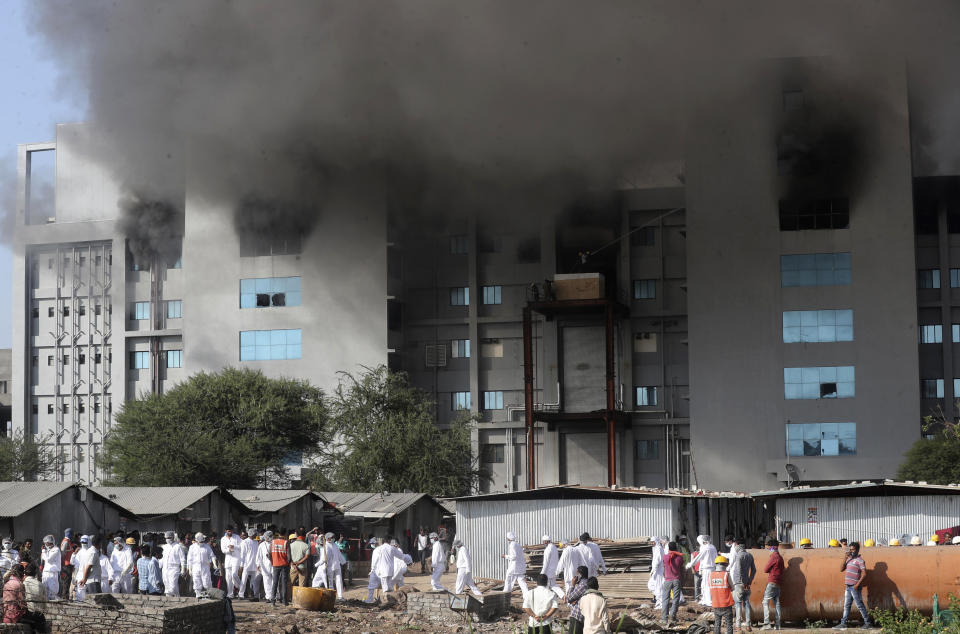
{"x": 492, "y": 294}
{"x": 141, "y": 310}
{"x": 270, "y": 345}
{"x": 460, "y": 400}
{"x": 817, "y": 326}
{"x": 646, "y": 396}
{"x": 815, "y": 269}
{"x": 265, "y": 292}
{"x": 174, "y": 309}
{"x": 644, "y": 289}
{"x": 493, "y": 400}
{"x": 931, "y": 334}
{"x": 460, "y": 296}
{"x": 174, "y": 358}
{"x": 140, "y": 360}
{"x": 460, "y": 348}
{"x": 821, "y": 439}
{"x": 819, "y": 382}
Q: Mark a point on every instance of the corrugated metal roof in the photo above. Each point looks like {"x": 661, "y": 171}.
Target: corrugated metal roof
{"x": 449, "y": 504}
{"x": 373, "y": 505}
{"x": 575, "y": 491}
{"x": 17, "y": 498}
{"x": 270, "y": 500}
{"x": 154, "y": 500}
{"x": 887, "y": 487}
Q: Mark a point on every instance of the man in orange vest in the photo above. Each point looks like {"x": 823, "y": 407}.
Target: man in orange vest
{"x": 280, "y": 557}
{"x": 721, "y": 596}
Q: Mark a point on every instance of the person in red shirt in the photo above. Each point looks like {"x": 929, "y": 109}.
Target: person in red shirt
{"x": 854, "y": 572}
{"x": 14, "y": 597}
{"x": 774, "y": 570}
{"x": 721, "y": 596}
{"x": 672, "y": 582}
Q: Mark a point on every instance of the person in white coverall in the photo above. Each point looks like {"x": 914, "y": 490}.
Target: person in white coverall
{"x": 551, "y": 558}
{"x": 516, "y": 566}
{"x": 438, "y": 559}
{"x": 172, "y": 565}
{"x": 595, "y": 564}
{"x": 655, "y": 582}
{"x": 464, "y": 570}
{"x": 328, "y": 568}
{"x": 265, "y": 564}
{"x": 706, "y": 557}
{"x": 230, "y": 547}
{"x": 399, "y": 568}
{"x": 50, "y": 555}
{"x": 381, "y": 568}
{"x": 199, "y": 558}
{"x": 248, "y": 564}
{"x": 121, "y": 563}
{"x": 571, "y": 558}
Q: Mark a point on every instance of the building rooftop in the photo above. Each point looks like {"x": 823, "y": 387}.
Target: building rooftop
{"x": 374, "y": 505}
{"x": 271, "y": 500}
{"x": 866, "y": 487}
{"x": 576, "y": 491}
{"x": 17, "y": 498}
{"x": 143, "y": 501}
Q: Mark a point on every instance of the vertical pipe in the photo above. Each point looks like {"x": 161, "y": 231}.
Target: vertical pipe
{"x": 528, "y": 394}
{"x": 611, "y": 402}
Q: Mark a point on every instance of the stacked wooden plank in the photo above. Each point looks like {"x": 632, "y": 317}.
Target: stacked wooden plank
{"x": 620, "y": 555}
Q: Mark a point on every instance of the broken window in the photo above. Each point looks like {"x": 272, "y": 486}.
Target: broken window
{"x": 491, "y": 348}
{"x": 824, "y": 213}
{"x": 819, "y": 382}
{"x": 270, "y": 291}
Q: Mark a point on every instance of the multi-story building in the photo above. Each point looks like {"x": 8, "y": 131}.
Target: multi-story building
{"x": 757, "y": 322}
{"x": 6, "y": 371}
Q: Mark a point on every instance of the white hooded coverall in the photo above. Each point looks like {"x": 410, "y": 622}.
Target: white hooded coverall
{"x": 516, "y": 568}
{"x": 570, "y": 559}
{"x": 199, "y": 557}
{"x": 230, "y": 547}
{"x": 248, "y": 563}
{"x": 172, "y": 564}
{"x": 400, "y": 570}
{"x": 51, "y": 571}
{"x": 381, "y": 568}
{"x": 265, "y": 567}
{"x": 438, "y": 561}
{"x": 121, "y": 560}
{"x": 328, "y": 568}
{"x": 465, "y": 572}
{"x": 655, "y": 583}
{"x": 706, "y": 557}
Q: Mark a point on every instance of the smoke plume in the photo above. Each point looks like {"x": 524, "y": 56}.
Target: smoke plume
{"x": 481, "y": 103}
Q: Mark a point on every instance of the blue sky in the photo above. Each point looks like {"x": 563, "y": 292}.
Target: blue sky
{"x": 30, "y": 107}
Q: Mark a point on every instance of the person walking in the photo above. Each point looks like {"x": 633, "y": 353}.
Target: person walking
{"x": 332, "y": 564}
{"x": 280, "y": 559}
{"x": 742, "y": 572}
{"x": 516, "y": 566}
{"x": 465, "y": 570}
{"x": 265, "y": 565}
{"x": 200, "y": 557}
{"x": 423, "y": 544}
{"x": 90, "y": 576}
{"x": 551, "y": 558}
{"x": 66, "y": 563}
{"x": 50, "y": 577}
{"x": 656, "y": 580}
{"x": 438, "y": 561}
{"x": 250, "y": 578}
{"x": 854, "y": 572}
{"x": 381, "y": 568}
{"x": 172, "y": 565}
{"x": 570, "y": 561}
{"x": 595, "y": 564}
{"x": 774, "y": 570}
{"x": 540, "y": 604}
{"x": 721, "y": 596}
{"x": 672, "y": 584}
{"x": 230, "y": 545}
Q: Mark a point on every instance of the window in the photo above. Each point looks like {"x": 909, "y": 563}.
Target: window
{"x": 648, "y": 450}
{"x": 815, "y": 269}
{"x": 822, "y": 382}
{"x": 81, "y": 408}
{"x": 489, "y": 244}
{"x": 822, "y": 439}
{"x": 459, "y": 244}
{"x": 65, "y": 408}
{"x": 491, "y": 349}
{"x": 50, "y": 311}
{"x": 492, "y": 294}
{"x": 644, "y": 289}
{"x": 141, "y": 310}
{"x": 460, "y": 400}
{"x": 460, "y": 296}
{"x": 827, "y": 213}
{"x": 174, "y": 358}
{"x": 270, "y": 345}
{"x": 931, "y": 388}
{"x": 66, "y": 359}
{"x": 644, "y": 237}
{"x": 81, "y": 358}
{"x": 175, "y": 309}
{"x": 96, "y": 309}
{"x": 66, "y": 311}
{"x": 81, "y": 310}
{"x": 817, "y": 326}
{"x": 50, "y": 408}
{"x": 272, "y": 241}
{"x": 49, "y": 359}
{"x": 34, "y": 408}
{"x": 265, "y": 292}
{"x": 460, "y": 348}
{"x": 646, "y": 396}
{"x": 954, "y": 278}
{"x": 97, "y": 358}
{"x": 493, "y": 400}
{"x": 928, "y": 278}
{"x": 139, "y": 360}
{"x": 645, "y": 342}
{"x": 931, "y": 334}
{"x": 955, "y": 333}
{"x": 493, "y": 453}
{"x": 35, "y": 312}
{"x": 3, "y": 387}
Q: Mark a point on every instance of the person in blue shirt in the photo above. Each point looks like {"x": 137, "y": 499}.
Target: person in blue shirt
{"x": 148, "y": 572}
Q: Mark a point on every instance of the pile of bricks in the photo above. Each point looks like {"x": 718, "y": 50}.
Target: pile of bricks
{"x": 135, "y": 614}
{"x": 436, "y": 606}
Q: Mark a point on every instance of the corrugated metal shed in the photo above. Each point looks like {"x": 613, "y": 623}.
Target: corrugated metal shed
{"x": 271, "y": 500}
{"x": 16, "y": 498}
{"x": 373, "y": 505}
{"x": 144, "y": 501}
{"x": 887, "y": 487}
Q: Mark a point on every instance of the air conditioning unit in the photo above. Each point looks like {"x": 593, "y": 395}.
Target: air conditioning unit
{"x": 436, "y": 355}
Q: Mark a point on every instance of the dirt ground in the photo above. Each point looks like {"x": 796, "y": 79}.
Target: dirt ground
{"x": 355, "y": 617}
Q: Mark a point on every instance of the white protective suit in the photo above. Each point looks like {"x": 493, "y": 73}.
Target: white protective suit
{"x": 172, "y": 565}
{"x": 706, "y": 557}
{"x": 121, "y": 561}
{"x": 516, "y": 566}
{"x": 328, "y": 568}
{"x": 248, "y": 563}
{"x": 79, "y": 561}
{"x": 465, "y": 572}
{"x": 106, "y": 574}
{"x": 551, "y": 557}
{"x": 230, "y": 547}
{"x": 8, "y": 558}
{"x": 400, "y": 565}
{"x": 381, "y": 568}
{"x": 50, "y": 555}
{"x": 596, "y": 563}
{"x": 438, "y": 561}
{"x": 655, "y": 582}
{"x": 265, "y": 568}
{"x": 571, "y": 558}
{"x": 199, "y": 558}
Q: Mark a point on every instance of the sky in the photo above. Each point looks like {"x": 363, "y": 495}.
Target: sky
{"x": 30, "y": 108}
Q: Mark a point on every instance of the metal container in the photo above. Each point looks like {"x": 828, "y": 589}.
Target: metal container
{"x": 812, "y": 587}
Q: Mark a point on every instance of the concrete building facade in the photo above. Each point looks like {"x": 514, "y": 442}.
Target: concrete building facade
{"x": 766, "y": 317}
{"x": 6, "y": 387}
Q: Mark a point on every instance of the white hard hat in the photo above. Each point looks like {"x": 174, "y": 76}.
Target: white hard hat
{"x": 512, "y": 536}
{"x": 546, "y": 538}
{"x": 955, "y": 540}
{"x": 200, "y": 537}
{"x": 931, "y": 543}
{"x": 915, "y": 540}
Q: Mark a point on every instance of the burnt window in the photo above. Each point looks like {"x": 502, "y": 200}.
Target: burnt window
{"x": 528, "y": 251}
{"x": 823, "y": 213}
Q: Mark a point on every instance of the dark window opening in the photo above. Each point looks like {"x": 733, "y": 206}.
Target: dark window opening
{"x": 50, "y": 311}
{"x": 828, "y": 390}
{"x": 824, "y": 213}
{"x": 492, "y": 453}
{"x": 263, "y": 299}
{"x": 528, "y": 251}
{"x": 279, "y": 299}
{"x": 35, "y": 313}
{"x": 644, "y": 237}
{"x": 489, "y": 244}
{"x": 394, "y": 315}
{"x": 97, "y": 358}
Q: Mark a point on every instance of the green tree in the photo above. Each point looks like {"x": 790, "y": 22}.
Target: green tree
{"x": 387, "y": 439}
{"x": 235, "y": 428}
{"x": 935, "y": 460}
{"x": 24, "y": 458}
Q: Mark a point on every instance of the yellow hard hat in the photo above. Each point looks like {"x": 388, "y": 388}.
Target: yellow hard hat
{"x": 720, "y": 560}
{"x": 131, "y": 541}
{"x": 292, "y": 536}
{"x": 893, "y": 542}
{"x": 935, "y": 538}
{"x": 806, "y": 542}
{"x": 869, "y": 543}
{"x": 834, "y": 543}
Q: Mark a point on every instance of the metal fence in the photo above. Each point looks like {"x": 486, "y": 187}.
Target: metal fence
{"x": 483, "y": 524}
